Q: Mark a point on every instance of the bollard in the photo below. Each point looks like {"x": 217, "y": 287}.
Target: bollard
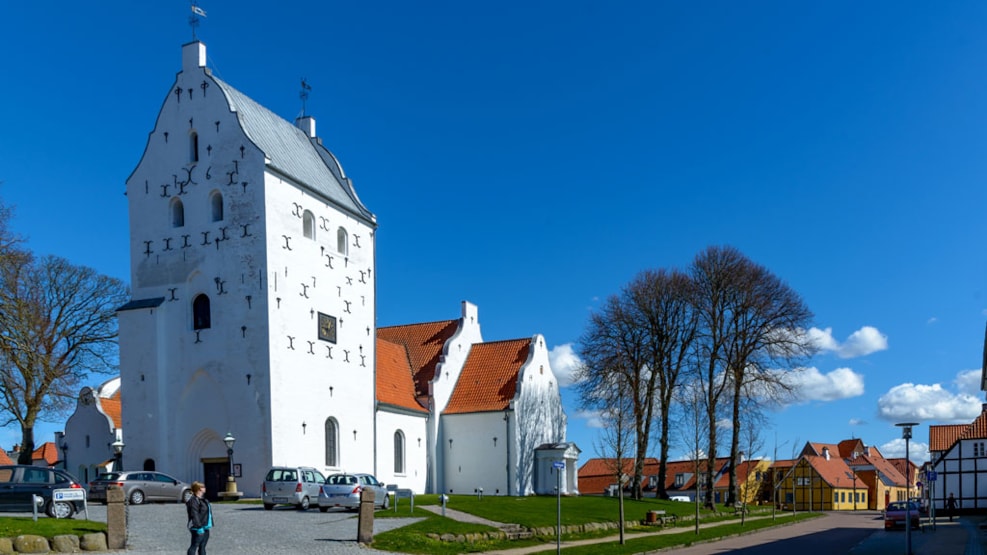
{"x": 116, "y": 518}
{"x": 443, "y": 498}
{"x": 365, "y": 521}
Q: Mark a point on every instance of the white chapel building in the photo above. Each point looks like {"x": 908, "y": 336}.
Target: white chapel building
{"x": 253, "y": 312}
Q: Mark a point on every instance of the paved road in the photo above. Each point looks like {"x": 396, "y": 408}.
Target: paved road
{"x": 246, "y": 529}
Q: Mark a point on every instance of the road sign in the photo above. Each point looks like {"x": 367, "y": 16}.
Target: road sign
{"x": 931, "y": 476}
{"x": 558, "y": 464}
{"x": 74, "y": 494}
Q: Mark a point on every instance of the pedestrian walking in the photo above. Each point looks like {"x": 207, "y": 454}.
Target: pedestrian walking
{"x": 951, "y": 506}
{"x": 199, "y": 519}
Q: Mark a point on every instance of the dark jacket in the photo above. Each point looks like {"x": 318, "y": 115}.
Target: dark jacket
{"x": 199, "y": 513}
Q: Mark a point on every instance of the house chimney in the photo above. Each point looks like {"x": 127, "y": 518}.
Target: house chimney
{"x": 306, "y": 124}
{"x": 826, "y": 452}
{"x": 193, "y": 56}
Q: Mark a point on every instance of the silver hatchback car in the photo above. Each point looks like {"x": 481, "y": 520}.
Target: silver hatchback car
{"x": 291, "y": 485}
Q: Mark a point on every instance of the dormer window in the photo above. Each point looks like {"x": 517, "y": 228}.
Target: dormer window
{"x": 308, "y": 225}
{"x": 193, "y": 147}
{"x": 341, "y": 241}
{"x": 177, "y": 213}
{"x": 216, "y": 206}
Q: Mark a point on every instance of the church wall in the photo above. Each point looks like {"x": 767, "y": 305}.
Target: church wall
{"x": 88, "y": 434}
{"x": 413, "y": 429}
{"x": 478, "y": 455}
{"x": 313, "y": 379}
{"x": 540, "y": 416}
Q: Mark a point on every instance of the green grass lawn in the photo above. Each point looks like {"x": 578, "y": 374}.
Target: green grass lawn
{"x": 48, "y": 527}
{"x": 540, "y": 512}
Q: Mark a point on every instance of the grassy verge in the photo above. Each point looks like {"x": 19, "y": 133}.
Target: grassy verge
{"x": 48, "y": 527}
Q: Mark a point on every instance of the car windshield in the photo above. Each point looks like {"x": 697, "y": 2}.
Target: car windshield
{"x": 900, "y": 506}
{"x": 281, "y": 475}
{"x": 341, "y": 480}
{"x": 109, "y": 476}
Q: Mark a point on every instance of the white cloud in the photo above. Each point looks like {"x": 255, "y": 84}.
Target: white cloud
{"x": 724, "y": 424}
{"x": 857, "y": 422}
{"x": 932, "y": 320}
{"x": 918, "y": 452}
{"x": 592, "y": 418}
{"x": 564, "y": 361}
{"x": 864, "y": 341}
{"x": 925, "y": 403}
{"x": 968, "y": 381}
{"x": 812, "y": 385}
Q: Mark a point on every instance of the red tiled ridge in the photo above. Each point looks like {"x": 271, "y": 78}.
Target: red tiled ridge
{"x": 943, "y": 436}
{"x": 424, "y": 343}
{"x": 47, "y": 452}
{"x": 488, "y": 381}
{"x": 394, "y": 377}
{"x": 977, "y": 429}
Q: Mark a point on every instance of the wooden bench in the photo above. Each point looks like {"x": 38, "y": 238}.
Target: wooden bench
{"x": 659, "y": 518}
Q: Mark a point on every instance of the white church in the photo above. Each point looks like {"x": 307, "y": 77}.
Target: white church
{"x": 253, "y": 313}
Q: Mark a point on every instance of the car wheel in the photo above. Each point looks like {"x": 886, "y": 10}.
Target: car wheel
{"x": 60, "y": 510}
{"x": 386, "y": 502}
{"x": 304, "y": 505}
{"x": 268, "y": 506}
{"x": 323, "y": 509}
{"x": 136, "y": 497}
{"x": 186, "y": 495}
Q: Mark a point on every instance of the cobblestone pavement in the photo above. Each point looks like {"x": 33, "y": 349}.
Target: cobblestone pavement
{"x": 245, "y": 529}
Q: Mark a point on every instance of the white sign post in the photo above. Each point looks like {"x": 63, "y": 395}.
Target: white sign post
{"x": 69, "y": 495}
{"x": 558, "y": 466}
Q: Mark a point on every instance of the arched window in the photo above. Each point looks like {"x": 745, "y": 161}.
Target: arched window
{"x": 193, "y": 147}
{"x": 149, "y": 465}
{"x": 216, "y": 206}
{"x": 398, "y": 452}
{"x": 177, "y": 213}
{"x": 200, "y": 313}
{"x": 332, "y": 442}
{"x": 341, "y": 241}
{"x": 308, "y": 225}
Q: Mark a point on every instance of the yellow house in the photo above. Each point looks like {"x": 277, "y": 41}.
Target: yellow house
{"x": 839, "y": 477}
{"x": 751, "y": 477}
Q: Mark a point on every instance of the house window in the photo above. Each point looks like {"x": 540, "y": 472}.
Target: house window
{"x": 341, "y": 245}
{"x": 201, "y": 319}
{"x": 193, "y": 147}
{"x": 332, "y": 442}
{"x": 836, "y": 497}
{"x": 679, "y": 480}
{"x": 216, "y": 206}
{"x": 177, "y": 213}
{"x": 308, "y": 225}
{"x": 87, "y": 442}
{"x": 398, "y": 452}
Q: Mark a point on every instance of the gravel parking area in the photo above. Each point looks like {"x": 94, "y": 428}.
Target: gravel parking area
{"x": 245, "y": 528}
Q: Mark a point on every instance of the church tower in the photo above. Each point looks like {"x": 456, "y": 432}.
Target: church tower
{"x": 253, "y": 294}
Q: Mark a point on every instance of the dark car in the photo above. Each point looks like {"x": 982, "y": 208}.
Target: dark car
{"x": 20, "y": 483}
{"x": 140, "y": 487}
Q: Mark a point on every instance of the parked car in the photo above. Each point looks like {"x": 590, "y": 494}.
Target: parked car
{"x": 894, "y": 515}
{"x": 140, "y": 487}
{"x": 923, "y": 505}
{"x": 19, "y": 483}
{"x": 684, "y": 498}
{"x": 292, "y": 485}
{"x": 343, "y": 490}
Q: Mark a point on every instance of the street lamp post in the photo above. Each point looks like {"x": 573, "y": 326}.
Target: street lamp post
{"x": 117, "y": 446}
{"x": 906, "y": 434}
{"x": 231, "y": 493}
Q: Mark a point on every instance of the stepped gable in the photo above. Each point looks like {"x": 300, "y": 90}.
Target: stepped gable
{"x": 489, "y": 378}
{"x": 977, "y": 429}
{"x": 395, "y": 385}
{"x": 423, "y": 344}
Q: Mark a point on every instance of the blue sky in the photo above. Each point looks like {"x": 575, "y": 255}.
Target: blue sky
{"x": 533, "y": 157}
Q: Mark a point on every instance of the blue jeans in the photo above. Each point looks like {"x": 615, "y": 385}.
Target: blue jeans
{"x": 198, "y": 542}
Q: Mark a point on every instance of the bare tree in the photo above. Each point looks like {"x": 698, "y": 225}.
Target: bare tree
{"x": 617, "y": 434}
{"x": 692, "y": 427}
{"x": 662, "y": 302}
{"x": 614, "y": 351}
{"x": 751, "y": 320}
{"x": 752, "y": 422}
{"x": 57, "y": 324}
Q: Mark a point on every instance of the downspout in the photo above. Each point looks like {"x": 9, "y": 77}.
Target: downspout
{"x": 507, "y": 442}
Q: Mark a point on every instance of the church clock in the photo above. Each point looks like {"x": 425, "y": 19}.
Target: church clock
{"x": 327, "y": 328}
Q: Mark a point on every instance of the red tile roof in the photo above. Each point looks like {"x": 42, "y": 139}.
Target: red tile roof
{"x": 943, "y": 436}
{"x": 394, "y": 378}
{"x": 5, "y": 458}
{"x": 47, "y": 452}
{"x": 111, "y": 408}
{"x": 424, "y": 344}
{"x": 743, "y": 469}
{"x": 977, "y": 429}
{"x": 488, "y": 381}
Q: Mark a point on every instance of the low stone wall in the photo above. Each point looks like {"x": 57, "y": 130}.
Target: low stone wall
{"x": 546, "y": 531}
{"x": 28, "y": 543}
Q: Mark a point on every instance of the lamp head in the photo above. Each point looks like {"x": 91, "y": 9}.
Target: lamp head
{"x": 229, "y": 440}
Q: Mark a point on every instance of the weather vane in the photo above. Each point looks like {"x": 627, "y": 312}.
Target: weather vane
{"x": 304, "y": 94}
{"x": 193, "y": 20}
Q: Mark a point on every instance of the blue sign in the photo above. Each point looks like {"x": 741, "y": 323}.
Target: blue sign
{"x": 558, "y": 464}
{"x": 930, "y": 475}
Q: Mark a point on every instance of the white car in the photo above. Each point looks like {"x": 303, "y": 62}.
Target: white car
{"x": 680, "y": 498}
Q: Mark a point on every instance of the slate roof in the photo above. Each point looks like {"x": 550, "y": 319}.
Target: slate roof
{"x": 489, "y": 378}
{"x": 424, "y": 343}
{"x": 292, "y": 152}
{"x": 394, "y": 378}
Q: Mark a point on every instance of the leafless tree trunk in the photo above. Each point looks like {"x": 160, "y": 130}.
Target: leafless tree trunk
{"x": 753, "y": 323}
{"x": 693, "y": 424}
{"x": 752, "y": 422}
{"x": 57, "y": 324}
{"x": 617, "y": 434}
